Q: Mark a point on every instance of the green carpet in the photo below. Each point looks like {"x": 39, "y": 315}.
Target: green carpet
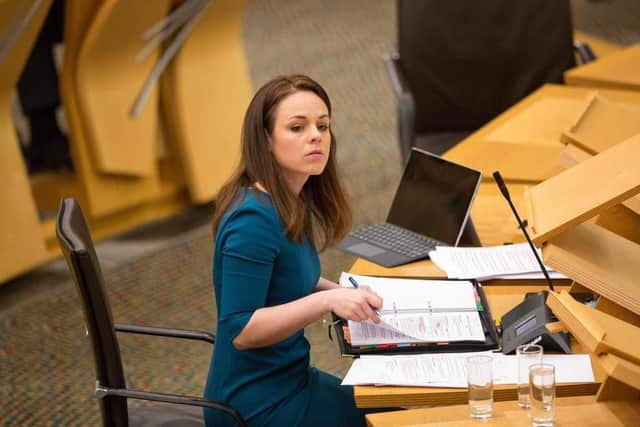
{"x": 47, "y": 375}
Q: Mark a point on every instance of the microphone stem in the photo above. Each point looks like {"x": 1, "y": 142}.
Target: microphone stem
{"x": 523, "y": 227}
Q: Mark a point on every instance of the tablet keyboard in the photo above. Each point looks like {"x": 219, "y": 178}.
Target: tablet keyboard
{"x": 397, "y": 239}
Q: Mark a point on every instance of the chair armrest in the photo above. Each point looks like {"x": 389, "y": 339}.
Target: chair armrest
{"x": 166, "y": 332}
{"x": 406, "y": 104}
{"x": 102, "y": 392}
{"x": 584, "y": 52}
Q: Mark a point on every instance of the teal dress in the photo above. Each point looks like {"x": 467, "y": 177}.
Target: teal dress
{"x": 256, "y": 265}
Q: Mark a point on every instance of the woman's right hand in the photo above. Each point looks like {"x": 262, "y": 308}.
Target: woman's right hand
{"x": 354, "y": 304}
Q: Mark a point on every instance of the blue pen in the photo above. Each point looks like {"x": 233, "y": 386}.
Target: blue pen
{"x": 353, "y": 282}
{"x": 355, "y": 285}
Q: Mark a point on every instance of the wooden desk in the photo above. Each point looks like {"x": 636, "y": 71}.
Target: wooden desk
{"x": 495, "y": 224}
{"x": 619, "y": 70}
{"x": 570, "y": 411}
{"x": 501, "y": 299}
{"x": 524, "y": 141}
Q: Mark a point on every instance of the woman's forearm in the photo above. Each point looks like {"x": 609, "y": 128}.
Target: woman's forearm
{"x": 269, "y": 325}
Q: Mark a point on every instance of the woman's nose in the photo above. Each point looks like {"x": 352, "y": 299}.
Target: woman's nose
{"x": 316, "y": 135}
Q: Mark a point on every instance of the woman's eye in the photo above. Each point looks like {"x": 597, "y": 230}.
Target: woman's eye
{"x": 323, "y": 128}
{"x": 297, "y": 128}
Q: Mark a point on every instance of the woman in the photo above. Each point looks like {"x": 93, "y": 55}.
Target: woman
{"x": 283, "y": 201}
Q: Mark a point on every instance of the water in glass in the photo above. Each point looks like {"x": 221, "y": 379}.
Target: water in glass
{"x": 543, "y": 393}
{"x": 480, "y": 380}
{"x": 481, "y": 400}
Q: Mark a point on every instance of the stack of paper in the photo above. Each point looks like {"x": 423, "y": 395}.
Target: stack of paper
{"x": 450, "y": 369}
{"x": 418, "y": 311}
{"x": 491, "y": 262}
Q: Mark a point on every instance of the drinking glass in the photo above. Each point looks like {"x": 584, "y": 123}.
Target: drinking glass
{"x": 542, "y": 383}
{"x": 527, "y": 355}
{"x": 480, "y": 379}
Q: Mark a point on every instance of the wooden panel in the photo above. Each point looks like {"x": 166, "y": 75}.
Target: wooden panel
{"x": 48, "y": 188}
{"x": 599, "y": 260}
{"x": 623, "y": 370}
{"x": 108, "y": 81}
{"x": 603, "y": 124}
{"x": 205, "y": 93}
{"x": 620, "y": 218}
{"x": 619, "y": 70}
{"x": 21, "y": 244}
{"x": 561, "y": 202}
{"x": 103, "y": 194}
{"x": 531, "y": 155}
{"x": 570, "y": 412}
{"x": 540, "y": 123}
{"x": 599, "y": 332}
{"x": 607, "y": 306}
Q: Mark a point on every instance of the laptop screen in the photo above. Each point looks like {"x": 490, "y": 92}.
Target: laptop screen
{"x": 434, "y": 197}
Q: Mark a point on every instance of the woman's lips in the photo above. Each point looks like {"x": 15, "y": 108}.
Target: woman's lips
{"x": 315, "y": 154}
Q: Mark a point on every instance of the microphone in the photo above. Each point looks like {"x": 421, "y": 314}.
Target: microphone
{"x": 522, "y": 225}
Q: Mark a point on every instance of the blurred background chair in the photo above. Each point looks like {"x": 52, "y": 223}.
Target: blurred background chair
{"x": 111, "y": 390}
{"x": 460, "y": 64}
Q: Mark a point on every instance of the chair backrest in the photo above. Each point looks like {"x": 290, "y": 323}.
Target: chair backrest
{"x": 465, "y": 61}
{"x": 79, "y": 252}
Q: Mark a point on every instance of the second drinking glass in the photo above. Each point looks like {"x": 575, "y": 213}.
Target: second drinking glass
{"x": 480, "y": 377}
{"x": 527, "y": 355}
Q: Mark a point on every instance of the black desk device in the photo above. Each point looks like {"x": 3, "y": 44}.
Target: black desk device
{"x": 525, "y": 324}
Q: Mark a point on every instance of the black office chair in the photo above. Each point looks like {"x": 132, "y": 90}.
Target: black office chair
{"x": 111, "y": 389}
{"x": 460, "y": 64}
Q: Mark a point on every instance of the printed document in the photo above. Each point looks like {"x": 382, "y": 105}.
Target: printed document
{"x": 488, "y": 262}
{"x": 418, "y": 311}
{"x": 449, "y": 369}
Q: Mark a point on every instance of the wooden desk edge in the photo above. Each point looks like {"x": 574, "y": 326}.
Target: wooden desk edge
{"x": 420, "y": 396}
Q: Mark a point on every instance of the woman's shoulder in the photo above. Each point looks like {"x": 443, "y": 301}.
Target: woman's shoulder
{"x": 251, "y": 207}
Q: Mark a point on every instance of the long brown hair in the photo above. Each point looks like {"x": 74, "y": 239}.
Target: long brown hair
{"x": 321, "y": 211}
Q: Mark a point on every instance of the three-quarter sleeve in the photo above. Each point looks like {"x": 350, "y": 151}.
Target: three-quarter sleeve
{"x": 249, "y": 249}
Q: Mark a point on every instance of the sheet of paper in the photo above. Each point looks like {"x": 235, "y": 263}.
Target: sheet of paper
{"x": 414, "y": 295}
{"x": 485, "y": 262}
{"x": 420, "y": 370}
{"x": 411, "y": 328}
{"x": 449, "y": 369}
{"x": 418, "y": 311}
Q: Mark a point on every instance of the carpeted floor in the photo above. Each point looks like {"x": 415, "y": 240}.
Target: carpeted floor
{"x": 46, "y": 368}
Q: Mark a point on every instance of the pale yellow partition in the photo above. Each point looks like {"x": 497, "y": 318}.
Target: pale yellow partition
{"x": 523, "y": 143}
{"x": 599, "y": 260}
{"x": 205, "y": 93}
{"x": 108, "y": 81}
{"x": 21, "y": 243}
{"x": 602, "y": 124}
{"x": 583, "y": 191}
{"x": 619, "y": 70}
{"x": 103, "y": 194}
